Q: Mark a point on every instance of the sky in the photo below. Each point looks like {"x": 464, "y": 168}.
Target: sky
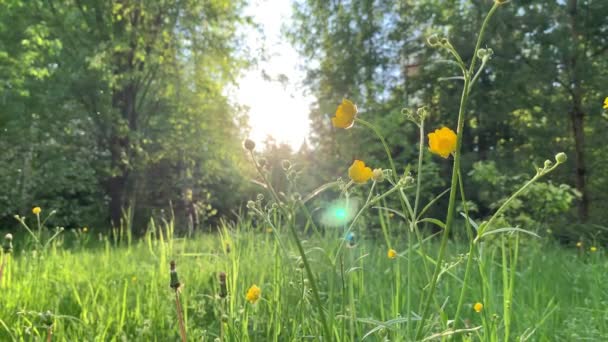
{"x": 276, "y": 109}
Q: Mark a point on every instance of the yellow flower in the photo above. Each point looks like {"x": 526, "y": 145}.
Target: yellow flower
{"x": 579, "y": 244}
{"x": 593, "y": 249}
{"x": 253, "y": 294}
{"x": 478, "y": 307}
{"x": 345, "y": 115}
{"x": 359, "y": 173}
{"x": 85, "y": 229}
{"x": 36, "y": 210}
{"x": 392, "y": 254}
{"x": 442, "y": 141}
{"x": 606, "y": 103}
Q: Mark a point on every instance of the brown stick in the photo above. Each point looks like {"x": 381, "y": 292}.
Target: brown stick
{"x": 49, "y": 334}
{"x": 180, "y": 318}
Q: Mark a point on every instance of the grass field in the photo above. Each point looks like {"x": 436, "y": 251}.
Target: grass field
{"x": 109, "y": 291}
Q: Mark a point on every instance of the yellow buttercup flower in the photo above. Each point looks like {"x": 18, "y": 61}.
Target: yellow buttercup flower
{"x": 345, "y": 115}
{"x": 478, "y": 307}
{"x": 392, "y": 254}
{"x": 579, "y": 244}
{"x": 442, "y": 142}
{"x": 359, "y": 173}
{"x": 253, "y": 294}
{"x": 36, "y": 210}
{"x": 606, "y": 103}
{"x": 593, "y": 249}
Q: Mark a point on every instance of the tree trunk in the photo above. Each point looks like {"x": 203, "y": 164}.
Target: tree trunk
{"x": 577, "y": 116}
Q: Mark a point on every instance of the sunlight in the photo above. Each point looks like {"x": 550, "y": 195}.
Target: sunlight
{"x": 274, "y": 111}
{"x": 277, "y": 109}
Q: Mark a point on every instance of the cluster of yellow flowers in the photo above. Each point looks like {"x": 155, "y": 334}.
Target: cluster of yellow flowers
{"x": 441, "y": 142}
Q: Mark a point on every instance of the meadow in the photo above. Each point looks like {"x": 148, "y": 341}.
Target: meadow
{"x": 438, "y": 247}
{"x": 102, "y": 290}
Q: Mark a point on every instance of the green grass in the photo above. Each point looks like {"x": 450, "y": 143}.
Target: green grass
{"x": 109, "y": 292}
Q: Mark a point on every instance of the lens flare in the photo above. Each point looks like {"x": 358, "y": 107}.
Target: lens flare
{"x": 340, "y": 212}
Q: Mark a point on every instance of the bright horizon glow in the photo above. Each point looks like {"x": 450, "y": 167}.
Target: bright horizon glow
{"x": 275, "y": 109}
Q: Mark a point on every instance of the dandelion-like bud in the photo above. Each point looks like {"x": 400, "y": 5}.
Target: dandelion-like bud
{"x": 7, "y": 247}
{"x": 378, "y": 175}
{"x": 485, "y": 54}
{"x": 223, "y": 288}
{"x": 286, "y": 165}
{"x": 433, "y": 40}
{"x": 405, "y": 181}
{"x": 296, "y": 196}
{"x": 260, "y": 197}
{"x": 174, "y": 278}
{"x": 249, "y": 144}
{"x": 561, "y": 158}
{"x": 548, "y": 163}
{"x": 422, "y": 113}
{"x": 250, "y": 204}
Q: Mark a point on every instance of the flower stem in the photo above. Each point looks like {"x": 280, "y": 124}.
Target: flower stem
{"x": 455, "y": 172}
{"x": 386, "y": 149}
{"x": 292, "y": 229}
{"x": 180, "y": 317}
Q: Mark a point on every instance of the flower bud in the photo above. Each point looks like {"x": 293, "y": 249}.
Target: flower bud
{"x": 249, "y": 144}
{"x": 378, "y": 175}
{"x": 250, "y": 204}
{"x": 7, "y": 247}
{"x": 174, "y": 278}
{"x": 561, "y": 157}
{"x": 223, "y": 288}
{"x": 548, "y": 163}
{"x": 433, "y": 40}
{"x": 260, "y": 197}
{"x": 262, "y": 162}
{"x": 286, "y": 165}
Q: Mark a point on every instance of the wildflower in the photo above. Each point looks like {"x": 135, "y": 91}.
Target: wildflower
{"x": 359, "y": 173}
{"x": 36, "y": 210}
{"x": 442, "y": 142}
{"x": 249, "y": 144}
{"x": 345, "y": 115}
{"x": 392, "y": 254}
{"x": 606, "y": 103}
{"x": 253, "y": 294}
{"x": 478, "y": 307}
{"x": 593, "y": 249}
{"x": 579, "y": 244}
{"x": 85, "y": 229}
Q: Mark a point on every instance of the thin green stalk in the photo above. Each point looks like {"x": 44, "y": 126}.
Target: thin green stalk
{"x": 455, "y": 171}
{"x": 450, "y": 214}
{"x": 469, "y": 266}
{"x": 292, "y": 228}
{"x": 386, "y": 149}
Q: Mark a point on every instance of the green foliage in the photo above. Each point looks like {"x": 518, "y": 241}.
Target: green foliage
{"x": 115, "y": 105}
{"x": 375, "y": 53}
